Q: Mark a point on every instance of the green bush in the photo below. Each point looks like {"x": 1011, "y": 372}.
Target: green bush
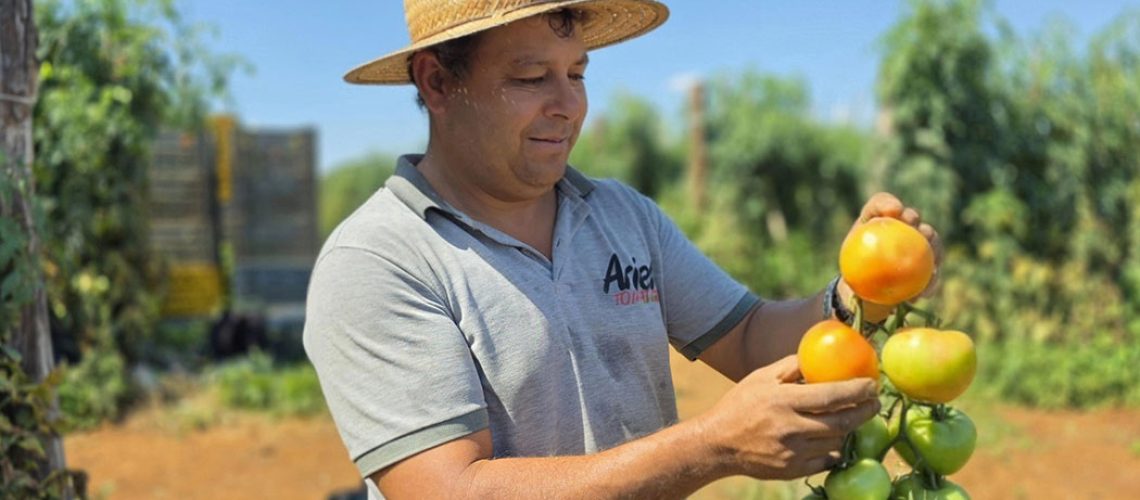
{"x": 94, "y": 390}
{"x": 348, "y": 185}
{"x": 255, "y": 383}
{"x": 1067, "y": 374}
{"x": 178, "y": 343}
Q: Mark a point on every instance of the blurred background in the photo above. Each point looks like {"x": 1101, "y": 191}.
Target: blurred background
{"x": 191, "y": 156}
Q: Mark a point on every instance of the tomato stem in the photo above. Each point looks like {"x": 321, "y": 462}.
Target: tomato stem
{"x": 818, "y": 490}
{"x": 939, "y": 412}
{"x": 891, "y": 409}
{"x": 934, "y": 480}
{"x": 902, "y": 426}
{"x": 929, "y": 318}
{"x": 848, "y": 450}
{"x": 904, "y": 310}
{"x": 893, "y": 322}
{"x": 920, "y": 462}
{"x": 858, "y": 313}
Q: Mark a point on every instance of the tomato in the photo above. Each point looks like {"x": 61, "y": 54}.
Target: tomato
{"x": 886, "y": 261}
{"x": 872, "y": 438}
{"x": 832, "y": 351}
{"x": 944, "y": 441}
{"x": 866, "y": 479}
{"x": 930, "y": 365}
{"x": 912, "y": 487}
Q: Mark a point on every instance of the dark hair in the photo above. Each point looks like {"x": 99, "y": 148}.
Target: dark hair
{"x": 455, "y": 55}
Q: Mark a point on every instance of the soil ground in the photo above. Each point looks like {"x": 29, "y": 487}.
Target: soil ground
{"x": 201, "y": 453}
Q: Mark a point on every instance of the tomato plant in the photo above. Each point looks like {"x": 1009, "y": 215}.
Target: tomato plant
{"x": 930, "y": 365}
{"x": 866, "y": 479}
{"x": 872, "y": 438}
{"x": 832, "y": 351}
{"x": 945, "y": 438}
{"x": 886, "y": 261}
{"x": 912, "y": 487}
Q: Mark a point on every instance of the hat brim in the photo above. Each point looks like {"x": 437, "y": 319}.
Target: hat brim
{"x": 610, "y": 22}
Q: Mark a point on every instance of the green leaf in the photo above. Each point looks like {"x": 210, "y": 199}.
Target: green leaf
{"x": 12, "y": 353}
{"x": 32, "y": 445}
{"x": 12, "y": 239}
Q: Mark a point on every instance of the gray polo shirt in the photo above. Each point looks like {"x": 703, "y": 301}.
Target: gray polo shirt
{"x": 425, "y": 325}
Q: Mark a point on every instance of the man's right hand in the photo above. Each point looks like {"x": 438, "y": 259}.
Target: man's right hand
{"x": 771, "y": 427}
{"x": 767, "y": 426}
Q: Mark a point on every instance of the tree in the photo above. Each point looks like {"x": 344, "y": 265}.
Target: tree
{"x": 783, "y": 188}
{"x": 113, "y": 73}
{"x": 1023, "y": 155}
{"x": 628, "y": 143}
{"x": 348, "y": 185}
{"x": 32, "y": 451}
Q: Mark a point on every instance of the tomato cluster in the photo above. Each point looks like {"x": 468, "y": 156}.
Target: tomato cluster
{"x": 888, "y": 262}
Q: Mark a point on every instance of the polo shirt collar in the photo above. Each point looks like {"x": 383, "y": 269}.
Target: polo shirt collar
{"x": 414, "y": 190}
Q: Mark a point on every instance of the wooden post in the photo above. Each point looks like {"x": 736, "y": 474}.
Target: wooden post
{"x": 698, "y": 151}
{"x": 19, "y": 72}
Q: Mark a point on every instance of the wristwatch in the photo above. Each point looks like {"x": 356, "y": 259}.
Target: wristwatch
{"x": 833, "y": 306}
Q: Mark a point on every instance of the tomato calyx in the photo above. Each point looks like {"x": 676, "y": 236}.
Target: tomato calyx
{"x": 939, "y": 412}
{"x": 816, "y": 491}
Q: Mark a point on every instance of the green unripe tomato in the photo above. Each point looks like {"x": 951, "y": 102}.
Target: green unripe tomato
{"x": 866, "y": 479}
{"x": 911, "y": 487}
{"x": 946, "y": 443}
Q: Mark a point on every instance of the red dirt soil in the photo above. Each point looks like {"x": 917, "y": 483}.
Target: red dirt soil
{"x": 1022, "y": 454}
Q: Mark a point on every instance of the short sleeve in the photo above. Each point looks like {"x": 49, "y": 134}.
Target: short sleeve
{"x": 701, "y": 302}
{"x": 396, "y": 372}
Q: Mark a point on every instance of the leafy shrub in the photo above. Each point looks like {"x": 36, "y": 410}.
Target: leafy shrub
{"x": 255, "y": 383}
{"x": 94, "y": 390}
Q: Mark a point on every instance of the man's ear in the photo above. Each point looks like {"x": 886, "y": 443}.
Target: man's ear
{"x": 430, "y": 80}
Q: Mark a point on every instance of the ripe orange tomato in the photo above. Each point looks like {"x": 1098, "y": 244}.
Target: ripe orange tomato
{"x": 930, "y": 365}
{"x": 832, "y": 351}
{"x": 886, "y": 261}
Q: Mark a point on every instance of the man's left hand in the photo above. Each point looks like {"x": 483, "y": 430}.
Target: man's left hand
{"x": 887, "y": 205}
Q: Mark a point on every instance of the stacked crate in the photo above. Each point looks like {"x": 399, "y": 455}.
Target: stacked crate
{"x": 182, "y": 226}
{"x": 272, "y": 221}
{"x": 238, "y": 200}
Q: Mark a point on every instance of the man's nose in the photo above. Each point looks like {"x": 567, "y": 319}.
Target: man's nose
{"x": 568, "y": 100}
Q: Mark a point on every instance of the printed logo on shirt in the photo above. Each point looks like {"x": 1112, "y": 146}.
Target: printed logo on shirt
{"x": 631, "y": 284}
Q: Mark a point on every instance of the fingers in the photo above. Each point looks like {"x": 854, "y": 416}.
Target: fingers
{"x": 816, "y": 446}
{"x": 785, "y": 370}
{"x": 887, "y": 205}
{"x": 931, "y": 235}
{"x": 881, "y": 205}
{"x": 832, "y": 396}
{"x": 839, "y": 423}
{"x": 818, "y": 464}
{"x": 936, "y": 244}
{"x": 910, "y": 216}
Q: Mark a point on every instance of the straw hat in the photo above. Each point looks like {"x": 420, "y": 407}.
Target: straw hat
{"x": 431, "y": 22}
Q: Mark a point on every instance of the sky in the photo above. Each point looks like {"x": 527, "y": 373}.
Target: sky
{"x": 300, "y": 49}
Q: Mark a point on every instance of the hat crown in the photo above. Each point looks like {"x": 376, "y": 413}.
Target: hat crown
{"x": 427, "y": 18}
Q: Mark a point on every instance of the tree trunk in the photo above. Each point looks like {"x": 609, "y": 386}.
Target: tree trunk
{"x": 18, "y": 75}
{"x": 698, "y": 152}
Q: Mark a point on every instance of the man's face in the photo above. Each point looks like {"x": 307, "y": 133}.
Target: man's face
{"x": 517, "y": 112}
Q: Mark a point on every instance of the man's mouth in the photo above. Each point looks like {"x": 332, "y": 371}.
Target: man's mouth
{"x": 551, "y": 140}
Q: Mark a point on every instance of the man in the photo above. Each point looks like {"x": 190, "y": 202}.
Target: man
{"x": 494, "y": 324}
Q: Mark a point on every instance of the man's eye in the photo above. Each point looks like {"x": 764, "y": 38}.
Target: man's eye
{"x": 530, "y": 81}
{"x": 578, "y": 77}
